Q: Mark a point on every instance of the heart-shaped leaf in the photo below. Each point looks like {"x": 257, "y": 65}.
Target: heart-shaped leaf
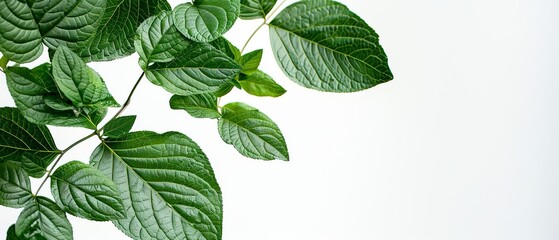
{"x": 206, "y": 20}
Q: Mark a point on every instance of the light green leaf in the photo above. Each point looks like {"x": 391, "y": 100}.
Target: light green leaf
{"x": 206, "y": 20}
{"x": 19, "y": 137}
{"x": 167, "y": 185}
{"x": 261, "y": 84}
{"x": 158, "y": 40}
{"x": 29, "y": 88}
{"x": 43, "y": 219}
{"x": 199, "y": 69}
{"x": 198, "y": 106}
{"x": 114, "y": 37}
{"x": 254, "y": 9}
{"x": 84, "y": 191}
{"x": 15, "y": 187}
{"x": 20, "y": 39}
{"x": 251, "y": 61}
{"x": 11, "y": 234}
{"x": 223, "y": 45}
{"x": 119, "y": 126}
{"x": 251, "y": 132}
{"x": 322, "y": 45}
{"x": 79, "y": 83}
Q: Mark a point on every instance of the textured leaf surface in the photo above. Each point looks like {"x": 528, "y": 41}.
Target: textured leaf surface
{"x": 20, "y": 39}
{"x": 321, "y": 44}
{"x": 19, "y": 137}
{"x": 198, "y": 106}
{"x": 119, "y": 126}
{"x": 15, "y": 187}
{"x": 29, "y": 89}
{"x": 206, "y": 20}
{"x": 43, "y": 219}
{"x": 86, "y": 192}
{"x": 254, "y": 9}
{"x": 252, "y": 133}
{"x": 251, "y": 61}
{"x": 167, "y": 186}
{"x": 261, "y": 84}
{"x": 158, "y": 40}
{"x": 199, "y": 69}
{"x": 114, "y": 37}
{"x": 223, "y": 45}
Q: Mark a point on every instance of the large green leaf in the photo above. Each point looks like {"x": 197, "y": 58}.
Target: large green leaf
{"x": 198, "y": 106}
{"x": 252, "y": 133}
{"x": 167, "y": 184}
{"x": 20, "y": 39}
{"x": 15, "y": 187}
{"x": 199, "y": 69}
{"x": 206, "y": 20}
{"x": 261, "y": 84}
{"x": 254, "y": 9}
{"x": 29, "y": 88}
{"x": 43, "y": 219}
{"x": 158, "y": 40}
{"x": 322, "y": 45}
{"x": 119, "y": 126}
{"x": 84, "y": 191}
{"x": 20, "y": 138}
{"x": 114, "y": 37}
{"x": 79, "y": 83}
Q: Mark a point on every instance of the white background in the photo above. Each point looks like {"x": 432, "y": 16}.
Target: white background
{"x": 462, "y": 144}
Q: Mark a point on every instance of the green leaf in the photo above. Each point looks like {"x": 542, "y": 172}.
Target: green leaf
{"x": 20, "y": 39}
{"x": 19, "y": 137}
{"x": 11, "y": 234}
{"x": 322, "y": 45}
{"x": 198, "y": 106}
{"x": 251, "y": 61}
{"x": 119, "y": 126}
{"x": 43, "y": 219}
{"x": 84, "y": 191}
{"x": 223, "y": 90}
{"x": 199, "y": 69}
{"x": 79, "y": 83}
{"x": 206, "y": 20}
{"x": 167, "y": 184}
{"x": 29, "y": 88}
{"x": 158, "y": 40}
{"x": 15, "y": 187}
{"x": 223, "y": 45}
{"x": 254, "y": 9}
{"x": 57, "y": 103}
{"x": 114, "y": 37}
{"x": 261, "y": 84}
{"x": 251, "y": 132}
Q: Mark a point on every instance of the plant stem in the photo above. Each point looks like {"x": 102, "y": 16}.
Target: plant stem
{"x": 270, "y": 14}
{"x": 127, "y": 100}
{"x": 252, "y": 35}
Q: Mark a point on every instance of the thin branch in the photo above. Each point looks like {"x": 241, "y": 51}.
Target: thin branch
{"x": 252, "y": 35}
{"x": 127, "y": 100}
{"x": 274, "y": 10}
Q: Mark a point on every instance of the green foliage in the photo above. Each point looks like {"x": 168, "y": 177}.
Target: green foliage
{"x": 151, "y": 185}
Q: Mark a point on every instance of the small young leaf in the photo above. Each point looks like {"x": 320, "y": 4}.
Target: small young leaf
{"x": 252, "y": 133}
{"x": 11, "y": 234}
{"x": 322, "y": 45}
{"x": 198, "y": 106}
{"x": 43, "y": 219}
{"x": 254, "y": 9}
{"x": 250, "y": 62}
{"x": 167, "y": 185}
{"x": 20, "y": 39}
{"x": 15, "y": 187}
{"x": 206, "y": 20}
{"x": 119, "y": 126}
{"x": 84, "y": 191}
{"x": 223, "y": 45}
{"x": 79, "y": 83}
{"x": 261, "y": 84}
{"x": 57, "y": 103}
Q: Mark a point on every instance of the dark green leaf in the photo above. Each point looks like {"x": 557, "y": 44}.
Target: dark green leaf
{"x": 223, "y": 90}
{"x": 19, "y": 137}
{"x": 15, "y": 187}
{"x": 57, "y": 103}
{"x": 119, "y": 126}
{"x": 226, "y": 47}
{"x": 20, "y": 39}
{"x": 79, "y": 83}
{"x": 43, "y": 219}
{"x": 261, "y": 84}
{"x": 11, "y": 234}
{"x": 206, "y": 20}
{"x": 250, "y": 62}
{"x": 199, "y": 69}
{"x": 252, "y": 133}
{"x": 34, "y": 165}
{"x": 114, "y": 37}
{"x": 29, "y": 89}
{"x": 167, "y": 184}
{"x": 321, "y": 44}
{"x": 86, "y": 192}
{"x": 198, "y": 106}
{"x": 254, "y": 9}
